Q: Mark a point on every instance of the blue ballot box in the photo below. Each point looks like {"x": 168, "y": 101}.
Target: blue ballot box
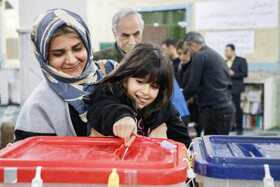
{"x": 237, "y": 160}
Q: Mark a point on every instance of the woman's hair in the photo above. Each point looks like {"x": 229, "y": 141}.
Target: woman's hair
{"x": 179, "y": 45}
{"x": 146, "y": 60}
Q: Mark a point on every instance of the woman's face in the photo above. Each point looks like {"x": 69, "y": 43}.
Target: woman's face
{"x": 141, "y": 91}
{"x": 68, "y": 54}
{"x": 184, "y": 55}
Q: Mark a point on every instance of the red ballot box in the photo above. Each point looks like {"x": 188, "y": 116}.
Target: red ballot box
{"x": 83, "y": 161}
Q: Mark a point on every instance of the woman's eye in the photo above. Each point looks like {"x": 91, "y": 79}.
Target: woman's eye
{"x": 57, "y": 54}
{"x": 139, "y": 81}
{"x": 77, "y": 49}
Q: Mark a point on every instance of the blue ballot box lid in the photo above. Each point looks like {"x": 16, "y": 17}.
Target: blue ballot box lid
{"x": 237, "y": 157}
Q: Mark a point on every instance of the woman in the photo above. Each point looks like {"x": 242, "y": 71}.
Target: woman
{"x": 58, "y": 105}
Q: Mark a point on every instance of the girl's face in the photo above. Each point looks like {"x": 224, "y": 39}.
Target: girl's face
{"x": 141, "y": 91}
{"x": 68, "y": 54}
{"x": 184, "y": 55}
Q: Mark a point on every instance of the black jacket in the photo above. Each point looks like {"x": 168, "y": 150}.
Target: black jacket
{"x": 176, "y": 63}
{"x": 108, "y": 106}
{"x": 184, "y": 75}
{"x": 209, "y": 79}
{"x": 240, "y": 68}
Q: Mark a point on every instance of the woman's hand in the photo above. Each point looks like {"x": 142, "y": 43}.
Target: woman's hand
{"x": 159, "y": 132}
{"x": 124, "y": 128}
{"x": 94, "y": 133}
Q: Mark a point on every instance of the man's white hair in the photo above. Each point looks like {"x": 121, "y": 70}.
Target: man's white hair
{"x": 124, "y": 14}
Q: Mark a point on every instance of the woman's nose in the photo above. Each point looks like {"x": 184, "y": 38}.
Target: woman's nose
{"x": 70, "y": 58}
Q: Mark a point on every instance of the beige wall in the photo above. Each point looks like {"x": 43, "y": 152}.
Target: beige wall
{"x": 100, "y": 13}
{"x": 266, "y": 40}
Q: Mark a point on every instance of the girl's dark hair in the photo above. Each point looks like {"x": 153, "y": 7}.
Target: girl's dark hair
{"x": 146, "y": 59}
{"x": 179, "y": 45}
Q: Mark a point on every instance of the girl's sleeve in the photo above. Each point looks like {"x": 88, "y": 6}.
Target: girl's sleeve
{"x": 176, "y": 129}
{"x": 105, "y": 109}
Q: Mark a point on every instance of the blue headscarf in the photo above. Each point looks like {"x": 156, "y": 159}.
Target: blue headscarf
{"x": 73, "y": 90}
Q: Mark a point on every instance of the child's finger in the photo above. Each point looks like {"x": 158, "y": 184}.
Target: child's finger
{"x": 122, "y": 132}
{"x": 119, "y": 128}
{"x": 128, "y": 137}
{"x": 129, "y": 142}
{"x": 116, "y": 130}
{"x": 124, "y": 127}
{"x": 126, "y": 141}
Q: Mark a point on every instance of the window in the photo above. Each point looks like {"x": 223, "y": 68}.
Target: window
{"x": 173, "y": 20}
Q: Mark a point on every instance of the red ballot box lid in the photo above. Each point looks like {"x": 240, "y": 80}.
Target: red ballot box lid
{"x": 91, "y": 159}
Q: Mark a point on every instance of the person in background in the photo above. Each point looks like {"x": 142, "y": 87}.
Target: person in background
{"x": 128, "y": 28}
{"x": 238, "y": 70}
{"x": 136, "y": 98}
{"x": 58, "y": 105}
{"x": 210, "y": 80}
{"x": 169, "y": 46}
{"x": 183, "y": 78}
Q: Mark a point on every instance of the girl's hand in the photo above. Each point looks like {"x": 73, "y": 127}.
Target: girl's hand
{"x": 124, "y": 128}
{"x": 159, "y": 132}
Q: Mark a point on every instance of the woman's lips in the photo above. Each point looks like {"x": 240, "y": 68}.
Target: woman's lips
{"x": 73, "y": 68}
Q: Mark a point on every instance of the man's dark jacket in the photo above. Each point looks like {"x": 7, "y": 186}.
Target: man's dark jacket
{"x": 240, "y": 68}
{"x": 113, "y": 53}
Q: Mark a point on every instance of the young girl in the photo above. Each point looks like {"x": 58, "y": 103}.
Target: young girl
{"x": 135, "y": 98}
